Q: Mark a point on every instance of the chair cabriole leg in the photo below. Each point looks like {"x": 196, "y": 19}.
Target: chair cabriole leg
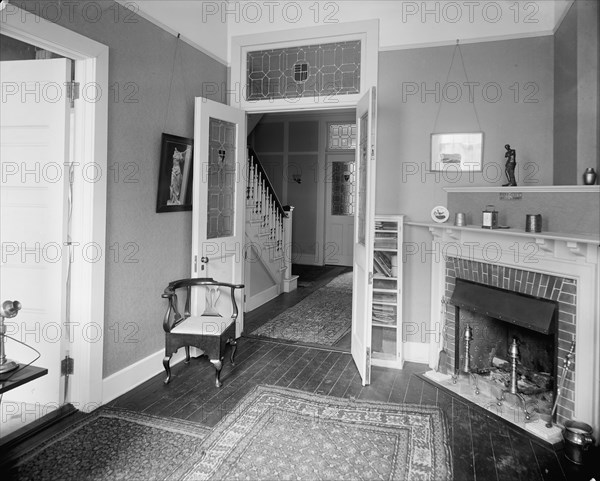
{"x": 233, "y": 344}
{"x": 218, "y": 366}
{"x": 166, "y": 364}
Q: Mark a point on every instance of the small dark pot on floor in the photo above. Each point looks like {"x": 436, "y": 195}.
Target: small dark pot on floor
{"x": 578, "y": 438}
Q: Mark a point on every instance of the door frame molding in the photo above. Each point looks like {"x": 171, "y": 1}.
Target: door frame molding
{"x": 89, "y": 208}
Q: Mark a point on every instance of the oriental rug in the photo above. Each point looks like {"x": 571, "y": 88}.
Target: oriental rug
{"x": 280, "y": 433}
{"x": 323, "y": 317}
{"x": 115, "y": 444}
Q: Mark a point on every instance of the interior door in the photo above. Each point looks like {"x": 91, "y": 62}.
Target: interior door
{"x": 339, "y": 208}
{"x": 34, "y": 151}
{"x": 219, "y": 195}
{"x": 364, "y": 225}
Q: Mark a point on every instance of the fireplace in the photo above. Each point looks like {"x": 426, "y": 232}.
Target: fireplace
{"x": 508, "y": 339}
{"x": 560, "y": 268}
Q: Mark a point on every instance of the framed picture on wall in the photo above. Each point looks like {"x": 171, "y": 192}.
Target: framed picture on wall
{"x": 175, "y": 174}
{"x": 457, "y": 151}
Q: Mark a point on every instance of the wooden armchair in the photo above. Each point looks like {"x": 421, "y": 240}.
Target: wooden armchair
{"x": 210, "y": 332}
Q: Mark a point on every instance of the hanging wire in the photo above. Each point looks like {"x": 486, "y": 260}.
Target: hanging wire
{"x": 456, "y": 48}
{"x": 171, "y": 81}
{"x": 181, "y": 69}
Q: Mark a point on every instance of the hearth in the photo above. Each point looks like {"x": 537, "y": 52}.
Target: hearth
{"x": 507, "y": 341}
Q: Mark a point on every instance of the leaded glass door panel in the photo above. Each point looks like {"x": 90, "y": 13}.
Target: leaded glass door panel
{"x": 366, "y": 120}
{"x": 219, "y": 195}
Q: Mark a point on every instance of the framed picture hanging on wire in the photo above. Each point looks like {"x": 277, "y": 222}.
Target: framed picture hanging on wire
{"x": 457, "y": 152}
{"x": 175, "y": 174}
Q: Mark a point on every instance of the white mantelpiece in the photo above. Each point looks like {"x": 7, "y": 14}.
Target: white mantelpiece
{"x": 574, "y": 256}
{"x": 527, "y": 188}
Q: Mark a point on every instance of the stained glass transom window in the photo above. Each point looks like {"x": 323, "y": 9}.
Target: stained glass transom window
{"x": 341, "y": 136}
{"x": 304, "y": 71}
{"x": 221, "y": 179}
{"x": 342, "y": 188}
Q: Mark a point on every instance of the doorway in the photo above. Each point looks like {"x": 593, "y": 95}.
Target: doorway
{"x": 87, "y": 211}
{"x": 36, "y": 146}
{"x": 309, "y": 159}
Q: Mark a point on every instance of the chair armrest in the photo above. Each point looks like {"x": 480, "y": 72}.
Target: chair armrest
{"x": 197, "y": 281}
{"x": 170, "y": 294}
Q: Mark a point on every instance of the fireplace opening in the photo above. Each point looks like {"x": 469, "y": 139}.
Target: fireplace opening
{"x": 508, "y": 340}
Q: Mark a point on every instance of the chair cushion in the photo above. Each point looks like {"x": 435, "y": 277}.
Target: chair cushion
{"x": 203, "y": 325}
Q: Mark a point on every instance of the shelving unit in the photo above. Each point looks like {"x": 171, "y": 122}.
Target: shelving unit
{"x": 386, "y": 292}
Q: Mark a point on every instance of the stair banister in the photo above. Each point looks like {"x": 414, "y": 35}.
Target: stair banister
{"x": 287, "y": 250}
{"x": 254, "y": 160}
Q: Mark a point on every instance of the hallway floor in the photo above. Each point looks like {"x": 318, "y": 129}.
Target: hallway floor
{"x": 311, "y": 278}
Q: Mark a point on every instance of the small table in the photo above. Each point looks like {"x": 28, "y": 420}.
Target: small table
{"x": 13, "y": 379}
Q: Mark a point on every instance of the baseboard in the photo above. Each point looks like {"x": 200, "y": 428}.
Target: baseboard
{"x": 305, "y": 259}
{"x": 416, "y": 352}
{"x": 137, "y": 373}
{"x": 261, "y": 298}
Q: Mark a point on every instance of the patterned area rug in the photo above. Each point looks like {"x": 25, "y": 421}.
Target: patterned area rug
{"x": 115, "y": 444}
{"x": 323, "y": 317}
{"x": 280, "y": 433}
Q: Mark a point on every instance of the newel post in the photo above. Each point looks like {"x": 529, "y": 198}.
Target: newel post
{"x": 289, "y": 282}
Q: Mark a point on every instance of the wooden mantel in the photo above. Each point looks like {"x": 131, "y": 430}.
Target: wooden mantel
{"x": 571, "y": 255}
{"x": 527, "y": 188}
{"x": 549, "y": 243}
{"x": 561, "y": 236}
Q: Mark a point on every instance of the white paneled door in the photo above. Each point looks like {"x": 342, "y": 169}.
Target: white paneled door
{"x": 34, "y": 155}
{"x": 339, "y": 208}
{"x": 366, "y": 121}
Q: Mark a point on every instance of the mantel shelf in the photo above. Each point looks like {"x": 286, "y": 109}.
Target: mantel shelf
{"x": 526, "y": 188}
{"x": 513, "y": 232}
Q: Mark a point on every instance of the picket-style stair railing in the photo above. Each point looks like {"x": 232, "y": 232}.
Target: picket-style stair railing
{"x": 269, "y": 230}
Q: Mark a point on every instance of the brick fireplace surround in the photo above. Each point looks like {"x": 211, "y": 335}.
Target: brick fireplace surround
{"x": 545, "y": 286}
{"x": 560, "y": 266}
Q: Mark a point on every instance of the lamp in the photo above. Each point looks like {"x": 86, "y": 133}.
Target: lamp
{"x": 8, "y": 310}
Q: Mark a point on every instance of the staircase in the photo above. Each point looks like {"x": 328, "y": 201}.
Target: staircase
{"x": 268, "y": 269}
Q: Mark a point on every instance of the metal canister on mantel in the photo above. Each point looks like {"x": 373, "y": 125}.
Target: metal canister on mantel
{"x": 533, "y": 223}
{"x": 489, "y": 217}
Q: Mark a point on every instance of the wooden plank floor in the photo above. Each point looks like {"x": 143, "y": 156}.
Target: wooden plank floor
{"x": 483, "y": 447}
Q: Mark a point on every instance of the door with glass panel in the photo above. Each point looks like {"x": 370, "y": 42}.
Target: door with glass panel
{"x": 339, "y": 209}
{"x": 219, "y": 195}
{"x": 366, "y": 121}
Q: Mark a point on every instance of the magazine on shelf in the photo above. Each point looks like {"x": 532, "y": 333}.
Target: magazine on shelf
{"x": 380, "y": 266}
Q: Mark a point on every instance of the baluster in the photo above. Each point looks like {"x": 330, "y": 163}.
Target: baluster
{"x": 272, "y": 223}
{"x": 278, "y": 236}
{"x": 258, "y": 193}
{"x": 281, "y": 230}
{"x": 265, "y": 210}
{"x": 269, "y": 219}
{"x": 249, "y": 192}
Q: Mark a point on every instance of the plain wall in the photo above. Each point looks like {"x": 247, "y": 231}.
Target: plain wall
{"x": 577, "y": 96}
{"x": 145, "y": 250}
{"x": 574, "y": 212}
{"x": 516, "y": 109}
{"x": 565, "y": 100}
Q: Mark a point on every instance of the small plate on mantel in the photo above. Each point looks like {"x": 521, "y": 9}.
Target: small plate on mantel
{"x": 440, "y": 214}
